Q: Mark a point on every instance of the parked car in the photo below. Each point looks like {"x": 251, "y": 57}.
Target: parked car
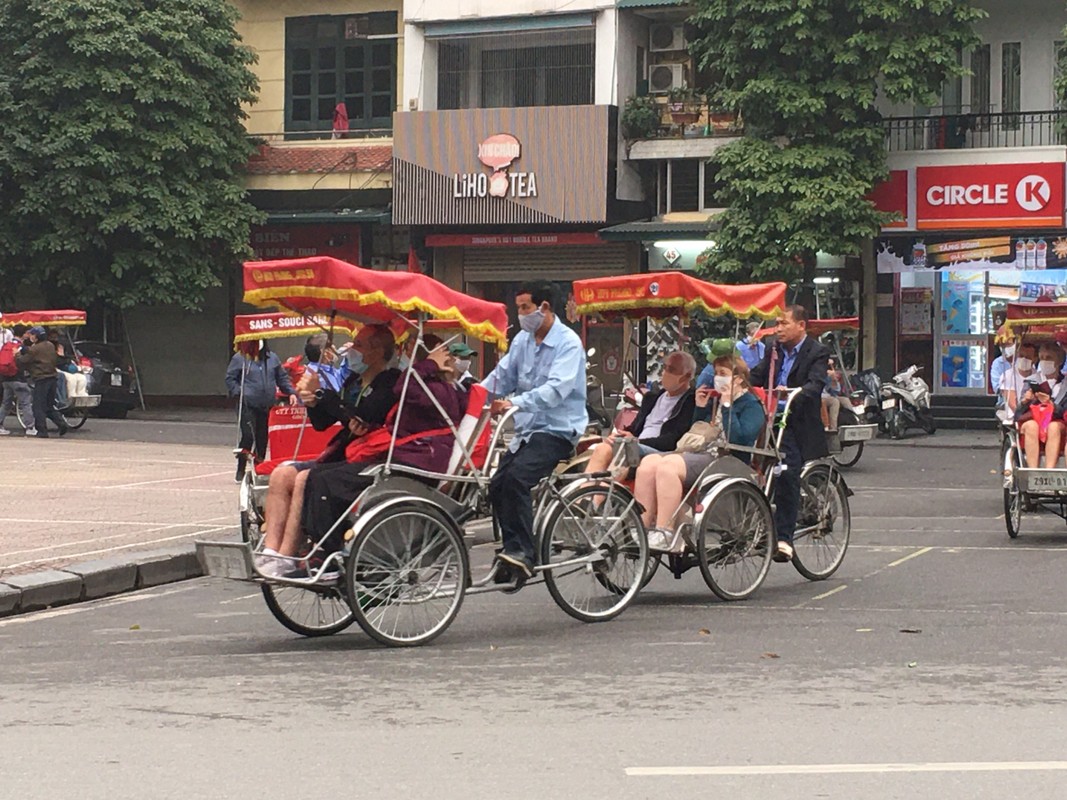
{"x": 110, "y": 377}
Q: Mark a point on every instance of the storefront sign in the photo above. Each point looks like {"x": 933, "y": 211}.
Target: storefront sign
{"x": 512, "y": 240}
{"x": 499, "y": 166}
{"x": 916, "y": 318}
{"x": 990, "y": 196}
{"x": 274, "y": 242}
{"x": 1028, "y": 251}
{"x": 891, "y": 196}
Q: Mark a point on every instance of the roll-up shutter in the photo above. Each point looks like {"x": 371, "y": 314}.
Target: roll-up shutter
{"x": 547, "y": 263}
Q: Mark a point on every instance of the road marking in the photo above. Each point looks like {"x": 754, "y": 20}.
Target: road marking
{"x": 239, "y": 599}
{"x": 839, "y": 769}
{"x": 38, "y": 616}
{"x": 168, "y": 480}
{"x": 908, "y": 557}
{"x": 832, "y": 591}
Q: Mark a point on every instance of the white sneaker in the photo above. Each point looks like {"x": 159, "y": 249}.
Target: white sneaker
{"x": 659, "y": 540}
{"x": 272, "y": 566}
{"x": 4, "y": 432}
{"x": 31, "y": 431}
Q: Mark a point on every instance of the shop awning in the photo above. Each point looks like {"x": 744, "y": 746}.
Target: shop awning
{"x": 648, "y": 3}
{"x": 652, "y": 231}
{"x": 524, "y": 24}
{"x": 354, "y": 215}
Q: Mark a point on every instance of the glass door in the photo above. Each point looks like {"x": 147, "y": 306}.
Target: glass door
{"x": 961, "y": 340}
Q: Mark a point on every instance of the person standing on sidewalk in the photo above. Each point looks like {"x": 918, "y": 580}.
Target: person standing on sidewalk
{"x": 544, "y": 372}
{"x": 800, "y": 362}
{"x": 252, "y": 380}
{"x": 38, "y": 357}
{"x": 16, "y": 388}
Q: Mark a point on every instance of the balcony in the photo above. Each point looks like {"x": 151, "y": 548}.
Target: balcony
{"x": 322, "y": 162}
{"x": 976, "y": 130}
{"x": 676, "y": 126}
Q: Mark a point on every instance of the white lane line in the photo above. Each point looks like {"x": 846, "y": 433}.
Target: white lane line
{"x": 52, "y": 520}
{"x": 839, "y": 769}
{"x": 39, "y": 616}
{"x": 908, "y": 557}
{"x": 824, "y": 595}
{"x": 157, "y": 529}
{"x": 167, "y": 480}
{"x": 117, "y": 547}
{"x": 239, "y": 599}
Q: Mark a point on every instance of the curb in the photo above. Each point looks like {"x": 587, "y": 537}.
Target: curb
{"x": 92, "y": 580}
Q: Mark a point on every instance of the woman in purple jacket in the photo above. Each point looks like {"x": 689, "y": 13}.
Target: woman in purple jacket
{"x": 332, "y": 488}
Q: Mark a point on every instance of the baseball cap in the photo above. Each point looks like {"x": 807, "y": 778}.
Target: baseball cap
{"x": 460, "y": 349}
{"x": 37, "y": 330}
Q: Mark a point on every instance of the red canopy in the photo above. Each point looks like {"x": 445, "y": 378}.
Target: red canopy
{"x": 58, "y": 317}
{"x": 1025, "y": 314}
{"x": 661, "y": 294}
{"x": 817, "y": 327}
{"x": 275, "y": 325}
{"x": 325, "y": 284}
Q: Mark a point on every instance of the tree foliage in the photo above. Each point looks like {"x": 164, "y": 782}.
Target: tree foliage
{"x": 121, "y": 146}
{"x": 805, "y": 76}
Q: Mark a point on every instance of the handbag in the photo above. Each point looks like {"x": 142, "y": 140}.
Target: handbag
{"x": 702, "y": 436}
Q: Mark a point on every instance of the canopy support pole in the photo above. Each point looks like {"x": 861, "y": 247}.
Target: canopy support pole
{"x": 133, "y": 359}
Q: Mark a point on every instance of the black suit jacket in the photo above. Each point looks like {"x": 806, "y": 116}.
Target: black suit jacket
{"x": 679, "y": 422}
{"x": 808, "y": 373}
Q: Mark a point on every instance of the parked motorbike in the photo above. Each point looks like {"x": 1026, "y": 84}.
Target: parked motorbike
{"x": 906, "y": 403}
{"x": 868, "y": 397}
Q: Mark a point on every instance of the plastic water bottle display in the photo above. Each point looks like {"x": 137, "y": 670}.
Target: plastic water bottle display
{"x": 1042, "y": 254}
{"x": 918, "y": 254}
{"x": 1020, "y": 253}
{"x": 1031, "y": 253}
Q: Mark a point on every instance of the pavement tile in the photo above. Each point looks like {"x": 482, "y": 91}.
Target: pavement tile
{"x": 51, "y": 587}
{"x": 106, "y": 576}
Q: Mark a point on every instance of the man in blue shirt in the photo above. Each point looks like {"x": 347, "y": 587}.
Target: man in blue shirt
{"x": 544, "y": 374}
{"x": 1000, "y": 365}
{"x": 751, "y": 348}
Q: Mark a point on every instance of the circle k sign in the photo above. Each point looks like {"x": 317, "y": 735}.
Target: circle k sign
{"x": 990, "y": 196}
{"x": 1032, "y": 193}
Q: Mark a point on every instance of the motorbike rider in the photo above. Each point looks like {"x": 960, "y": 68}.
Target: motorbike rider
{"x": 797, "y": 361}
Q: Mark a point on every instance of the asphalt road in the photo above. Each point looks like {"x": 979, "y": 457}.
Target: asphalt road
{"x": 932, "y": 664}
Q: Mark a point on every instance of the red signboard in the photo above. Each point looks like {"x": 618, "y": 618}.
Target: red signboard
{"x": 275, "y": 242}
{"x": 892, "y": 196}
{"x": 990, "y": 196}
{"x": 511, "y": 240}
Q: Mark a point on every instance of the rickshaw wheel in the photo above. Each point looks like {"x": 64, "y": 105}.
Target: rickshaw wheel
{"x": 734, "y": 538}
{"x": 824, "y": 505}
{"x": 651, "y": 567}
{"x": 585, "y": 521}
{"x": 309, "y": 612}
{"x": 406, "y": 572}
{"x": 75, "y": 421}
{"x": 849, "y": 462}
{"x": 1013, "y": 496}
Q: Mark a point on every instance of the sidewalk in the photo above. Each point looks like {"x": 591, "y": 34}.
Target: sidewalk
{"x": 945, "y": 439}
{"x": 219, "y": 416}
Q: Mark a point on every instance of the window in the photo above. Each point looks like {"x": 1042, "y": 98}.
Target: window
{"x": 980, "y": 79}
{"x": 1059, "y": 55}
{"x": 516, "y": 70}
{"x": 1011, "y": 82}
{"x": 686, "y": 184}
{"x": 952, "y": 91}
{"x": 334, "y": 60}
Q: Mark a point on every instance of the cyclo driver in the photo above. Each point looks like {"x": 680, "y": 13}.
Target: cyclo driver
{"x": 544, "y": 371}
{"x": 800, "y": 363}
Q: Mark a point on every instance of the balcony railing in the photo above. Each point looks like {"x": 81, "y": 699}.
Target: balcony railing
{"x": 966, "y": 130}
{"x": 351, "y": 136}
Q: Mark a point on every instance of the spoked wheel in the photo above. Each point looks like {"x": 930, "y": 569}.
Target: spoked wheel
{"x": 849, "y": 459}
{"x": 734, "y": 538}
{"x": 309, "y": 612}
{"x": 651, "y": 566}
{"x": 895, "y": 424}
{"x": 406, "y": 572}
{"x": 74, "y": 419}
{"x": 596, "y": 541}
{"x": 1013, "y": 496}
{"x": 824, "y": 523}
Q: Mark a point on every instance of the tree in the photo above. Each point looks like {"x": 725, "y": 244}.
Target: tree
{"x": 121, "y": 147}
{"x": 805, "y": 76}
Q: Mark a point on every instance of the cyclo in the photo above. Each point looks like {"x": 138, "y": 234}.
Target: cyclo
{"x": 727, "y": 515}
{"x": 1031, "y": 489}
{"x": 404, "y": 564}
{"x": 75, "y": 410}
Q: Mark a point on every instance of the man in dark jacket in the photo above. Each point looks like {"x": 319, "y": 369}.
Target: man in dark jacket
{"x": 796, "y": 361}
{"x": 252, "y": 378}
{"x": 39, "y": 358}
{"x": 665, "y": 414}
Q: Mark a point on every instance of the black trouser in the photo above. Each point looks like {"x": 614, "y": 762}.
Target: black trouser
{"x": 331, "y": 489}
{"x": 510, "y": 490}
{"x": 787, "y": 488}
{"x": 254, "y": 430}
{"x": 44, "y": 406}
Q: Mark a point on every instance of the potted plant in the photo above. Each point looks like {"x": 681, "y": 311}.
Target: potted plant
{"x": 719, "y": 117}
{"x": 640, "y": 117}
{"x": 682, "y": 104}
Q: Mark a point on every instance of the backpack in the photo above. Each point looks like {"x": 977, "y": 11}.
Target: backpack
{"x": 8, "y": 367}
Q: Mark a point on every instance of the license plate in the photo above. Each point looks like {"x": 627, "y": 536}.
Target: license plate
{"x": 888, "y": 404}
{"x": 226, "y": 559}
{"x": 116, "y": 379}
{"x": 857, "y": 433}
{"x": 1046, "y": 481}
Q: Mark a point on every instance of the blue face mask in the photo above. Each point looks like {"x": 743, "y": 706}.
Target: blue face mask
{"x": 404, "y": 363}
{"x": 356, "y": 362}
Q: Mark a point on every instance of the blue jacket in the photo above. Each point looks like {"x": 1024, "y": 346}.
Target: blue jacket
{"x": 261, "y": 376}
{"x": 742, "y": 420}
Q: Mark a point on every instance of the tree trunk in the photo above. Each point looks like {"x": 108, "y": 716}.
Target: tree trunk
{"x": 805, "y": 294}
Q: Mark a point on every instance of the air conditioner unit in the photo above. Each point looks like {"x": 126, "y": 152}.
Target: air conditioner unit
{"x": 664, "y": 77}
{"x": 664, "y": 38}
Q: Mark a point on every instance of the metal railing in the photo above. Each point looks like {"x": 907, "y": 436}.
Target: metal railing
{"x": 979, "y": 130}
{"x": 355, "y": 134}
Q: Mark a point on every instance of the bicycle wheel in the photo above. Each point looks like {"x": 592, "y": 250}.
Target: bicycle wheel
{"x": 844, "y": 459}
{"x": 734, "y": 534}
{"x": 74, "y": 419}
{"x": 824, "y": 523}
{"x": 1013, "y": 495}
{"x": 309, "y": 612}
{"x": 25, "y": 423}
{"x": 596, "y": 551}
{"x": 406, "y": 572}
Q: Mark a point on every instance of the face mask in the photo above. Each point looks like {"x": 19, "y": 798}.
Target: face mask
{"x": 1024, "y": 364}
{"x": 463, "y": 364}
{"x": 1008, "y": 351}
{"x": 723, "y": 383}
{"x": 1046, "y": 367}
{"x": 532, "y": 321}
{"x": 403, "y": 363}
{"x": 356, "y": 362}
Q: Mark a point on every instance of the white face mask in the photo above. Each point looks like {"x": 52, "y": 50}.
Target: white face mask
{"x": 1023, "y": 364}
{"x": 1008, "y": 351}
{"x": 532, "y": 321}
{"x": 462, "y": 365}
{"x": 723, "y": 383}
{"x": 1046, "y": 367}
